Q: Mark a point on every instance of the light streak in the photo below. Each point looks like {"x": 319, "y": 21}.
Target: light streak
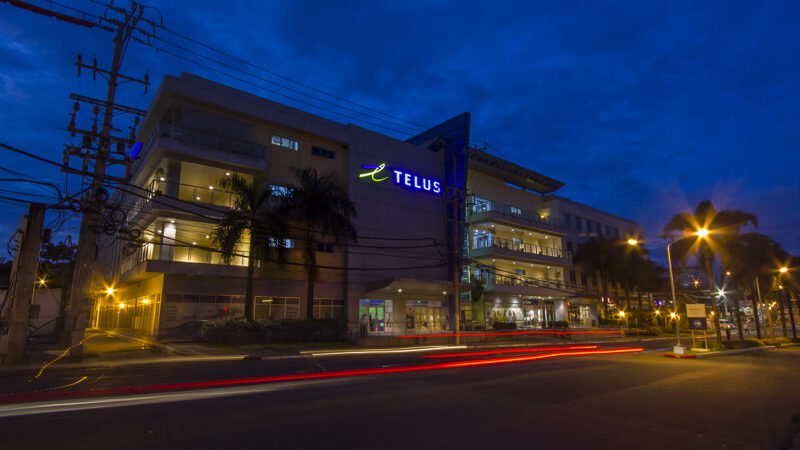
{"x": 305, "y": 376}
{"x": 385, "y": 351}
{"x": 513, "y": 350}
{"x": 465, "y": 335}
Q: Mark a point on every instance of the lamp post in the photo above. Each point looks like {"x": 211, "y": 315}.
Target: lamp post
{"x": 678, "y": 348}
{"x": 782, "y": 271}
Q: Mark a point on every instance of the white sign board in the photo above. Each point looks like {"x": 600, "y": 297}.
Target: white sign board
{"x": 695, "y": 310}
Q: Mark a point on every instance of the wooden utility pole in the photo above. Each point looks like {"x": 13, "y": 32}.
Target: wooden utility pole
{"x": 27, "y": 266}
{"x": 94, "y": 199}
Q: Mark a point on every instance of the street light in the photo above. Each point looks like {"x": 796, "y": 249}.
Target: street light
{"x": 782, "y": 271}
{"x": 702, "y": 232}
{"x": 110, "y": 291}
{"x": 678, "y": 348}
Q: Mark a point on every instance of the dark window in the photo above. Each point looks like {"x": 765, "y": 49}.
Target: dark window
{"x": 569, "y": 246}
{"x": 568, "y": 221}
{"x": 330, "y": 154}
{"x": 594, "y": 279}
{"x": 589, "y": 226}
{"x": 325, "y": 247}
{"x": 583, "y": 278}
{"x": 572, "y": 276}
{"x": 608, "y": 231}
{"x": 207, "y": 299}
{"x": 578, "y": 225}
{"x": 598, "y": 228}
{"x": 190, "y": 299}
{"x": 616, "y": 233}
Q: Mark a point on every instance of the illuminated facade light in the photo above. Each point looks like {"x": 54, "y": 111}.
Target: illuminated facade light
{"x": 110, "y": 291}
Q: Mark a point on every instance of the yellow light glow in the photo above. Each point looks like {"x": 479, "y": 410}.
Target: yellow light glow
{"x": 122, "y": 306}
{"x": 633, "y": 241}
{"x": 110, "y": 291}
{"x": 41, "y": 282}
{"x": 728, "y": 273}
{"x": 702, "y": 232}
{"x": 712, "y": 313}
{"x": 658, "y": 312}
{"x": 672, "y": 315}
{"x": 622, "y": 313}
{"x": 784, "y": 269}
{"x": 146, "y": 301}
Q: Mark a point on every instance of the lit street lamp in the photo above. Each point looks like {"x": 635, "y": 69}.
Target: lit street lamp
{"x": 678, "y": 348}
{"x": 782, "y": 271}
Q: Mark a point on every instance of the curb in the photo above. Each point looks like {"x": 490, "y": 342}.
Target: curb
{"x": 723, "y": 353}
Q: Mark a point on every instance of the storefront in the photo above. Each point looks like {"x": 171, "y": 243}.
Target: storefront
{"x": 424, "y": 316}
{"x": 376, "y": 316}
{"x": 523, "y": 313}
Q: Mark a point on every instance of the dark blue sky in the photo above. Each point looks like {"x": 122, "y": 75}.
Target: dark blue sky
{"x": 643, "y": 109}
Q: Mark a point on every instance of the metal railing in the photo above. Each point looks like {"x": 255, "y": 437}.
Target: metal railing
{"x": 481, "y": 206}
{"x": 151, "y": 251}
{"x": 524, "y": 281}
{"x": 207, "y": 194}
{"x": 535, "y": 249}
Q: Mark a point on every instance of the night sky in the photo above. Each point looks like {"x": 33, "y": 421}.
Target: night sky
{"x": 643, "y": 109}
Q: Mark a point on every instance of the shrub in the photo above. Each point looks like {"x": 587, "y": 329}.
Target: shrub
{"x": 240, "y": 331}
{"x": 753, "y": 342}
{"x": 561, "y": 324}
{"x": 777, "y": 341}
{"x": 505, "y": 325}
{"x": 653, "y": 330}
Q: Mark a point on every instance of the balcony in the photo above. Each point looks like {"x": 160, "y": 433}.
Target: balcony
{"x": 149, "y": 258}
{"x": 492, "y": 245}
{"x": 528, "y": 285}
{"x": 196, "y": 137}
{"x": 485, "y": 211}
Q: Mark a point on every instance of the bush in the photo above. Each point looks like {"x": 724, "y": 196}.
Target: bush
{"x": 753, "y": 342}
{"x": 777, "y": 341}
{"x": 505, "y": 326}
{"x": 241, "y": 331}
{"x": 653, "y": 330}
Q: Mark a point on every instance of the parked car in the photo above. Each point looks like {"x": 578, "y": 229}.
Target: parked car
{"x": 723, "y": 324}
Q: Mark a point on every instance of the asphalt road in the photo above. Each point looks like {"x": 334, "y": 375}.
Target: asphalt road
{"x": 624, "y": 401}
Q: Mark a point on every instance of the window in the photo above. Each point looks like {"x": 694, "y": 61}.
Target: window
{"x": 328, "y": 308}
{"x": 519, "y": 271}
{"x": 283, "y": 191}
{"x": 569, "y": 246}
{"x": 594, "y": 279}
{"x": 568, "y": 221}
{"x": 578, "y": 225}
{"x": 616, "y": 233}
{"x": 572, "y": 276}
{"x": 287, "y": 243}
{"x": 608, "y": 231}
{"x": 285, "y": 142}
{"x": 330, "y": 154}
{"x": 325, "y": 247}
{"x": 516, "y": 211}
{"x": 583, "y": 278}
{"x": 481, "y": 205}
{"x": 589, "y": 226}
{"x": 276, "y": 308}
{"x": 598, "y": 228}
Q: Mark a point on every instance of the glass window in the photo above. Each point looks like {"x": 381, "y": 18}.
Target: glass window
{"x": 481, "y": 205}
{"x": 568, "y": 221}
{"x": 616, "y": 233}
{"x": 279, "y": 190}
{"x": 330, "y": 154}
{"x": 572, "y": 276}
{"x": 578, "y": 224}
{"x": 325, "y": 247}
{"x": 277, "y": 308}
{"x": 285, "y": 142}
{"x": 588, "y": 226}
{"x": 516, "y": 211}
{"x": 328, "y": 308}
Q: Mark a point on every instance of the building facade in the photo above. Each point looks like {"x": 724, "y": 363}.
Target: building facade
{"x": 429, "y": 210}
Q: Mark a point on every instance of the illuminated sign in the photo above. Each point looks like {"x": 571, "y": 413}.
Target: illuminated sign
{"x": 401, "y": 177}
{"x": 136, "y": 149}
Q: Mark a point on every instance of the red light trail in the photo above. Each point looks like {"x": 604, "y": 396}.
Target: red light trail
{"x": 466, "y": 335}
{"x": 308, "y": 376}
{"x": 513, "y": 350}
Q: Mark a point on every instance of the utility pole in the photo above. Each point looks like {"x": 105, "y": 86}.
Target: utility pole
{"x": 27, "y": 265}
{"x": 92, "y": 222}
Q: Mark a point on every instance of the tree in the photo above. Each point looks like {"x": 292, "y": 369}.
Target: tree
{"x": 721, "y": 227}
{"x": 320, "y": 204}
{"x": 602, "y": 255}
{"x": 255, "y": 220}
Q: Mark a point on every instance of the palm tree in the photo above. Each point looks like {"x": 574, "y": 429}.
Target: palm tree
{"x": 720, "y": 225}
{"x": 320, "y": 204}
{"x": 254, "y": 220}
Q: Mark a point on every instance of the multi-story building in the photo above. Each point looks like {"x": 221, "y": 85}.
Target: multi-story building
{"x": 582, "y": 222}
{"x": 427, "y": 209}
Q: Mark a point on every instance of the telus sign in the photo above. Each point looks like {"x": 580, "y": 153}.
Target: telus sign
{"x": 401, "y": 177}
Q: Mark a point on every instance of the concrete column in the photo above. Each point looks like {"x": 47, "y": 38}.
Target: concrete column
{"x": 173, "y": 178}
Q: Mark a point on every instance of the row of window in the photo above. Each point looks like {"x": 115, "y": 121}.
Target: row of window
{"x": 292, "y": 144}
{"x": 591, "y": 226}
{"x": 572, "y": 278}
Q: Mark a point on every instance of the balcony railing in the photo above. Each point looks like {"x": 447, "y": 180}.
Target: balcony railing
{"x": 529, "y": 282}
{"x": 534, "y": 249}
{"x": 513, "y": 213}
{"x": 180, "y": 253}
{"x": 207, "y": 194}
